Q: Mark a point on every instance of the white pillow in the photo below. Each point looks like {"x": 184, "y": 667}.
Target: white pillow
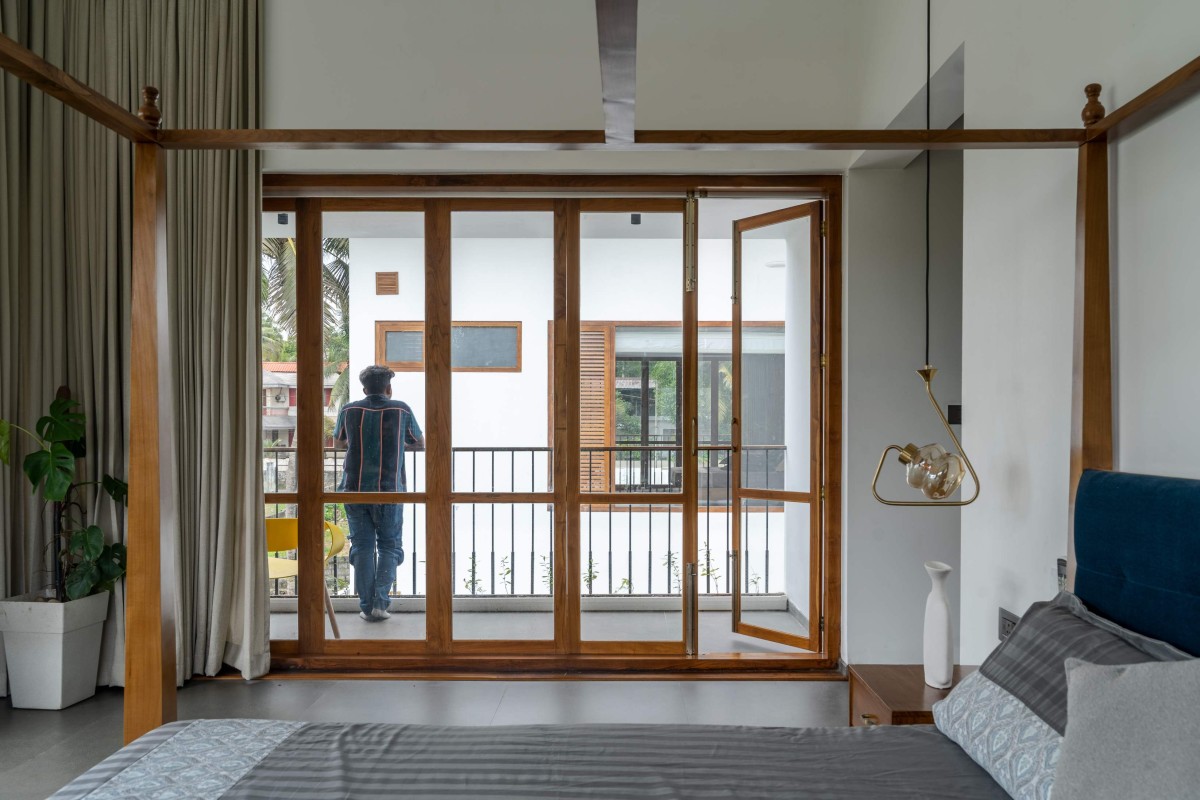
{"x": 1133, "y": 730}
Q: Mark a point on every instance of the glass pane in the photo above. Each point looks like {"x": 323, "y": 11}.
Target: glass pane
{"x": 632, "y": 563}
{"x": 775, "y": 565}
{"x": 485, "y": 347}
{"x": 405, "y": 346}
{"x": 502, "y": 275}
{"x": 374, "y": 312}
{"x": 776, "y": 382}
{"x": 375, "y": 559}
{"x": 631, "y": 350}
{"x": 278, "y": 336}
{"x": 503, "y": 571}
{"x": 282, "y": 569}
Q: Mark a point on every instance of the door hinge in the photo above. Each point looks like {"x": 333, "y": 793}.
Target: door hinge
{"x": 824, "y": 361}
{"x": 822, "y": 494}
{"x": 824, "y": 228}
{"x": 689, "y": 243}
{"x": 821, "y": 624}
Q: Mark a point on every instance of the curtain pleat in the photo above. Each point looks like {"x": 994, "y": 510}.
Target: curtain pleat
{"x": 67, "y": 307}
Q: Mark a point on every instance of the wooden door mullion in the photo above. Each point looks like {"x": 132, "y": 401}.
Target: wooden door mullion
{"x": 439, "y": 589}
{"x": 310, "y": 476}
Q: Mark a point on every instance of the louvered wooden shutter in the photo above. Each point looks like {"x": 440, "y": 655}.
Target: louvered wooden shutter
{"x": 387, "y": 283}
{"x": 595, "y": 406}
{"x": 595, "y": 388}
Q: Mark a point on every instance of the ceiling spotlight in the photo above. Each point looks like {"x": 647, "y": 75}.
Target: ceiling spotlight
{"x": 775, "y": 264}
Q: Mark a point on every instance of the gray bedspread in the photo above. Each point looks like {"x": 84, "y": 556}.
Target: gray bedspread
{"x": 265, "y": 760}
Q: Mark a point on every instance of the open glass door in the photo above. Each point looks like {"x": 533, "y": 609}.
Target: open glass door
{"x": 777, "y": 423}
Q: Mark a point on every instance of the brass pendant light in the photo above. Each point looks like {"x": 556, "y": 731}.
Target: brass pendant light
{"x": 931, "y": 470}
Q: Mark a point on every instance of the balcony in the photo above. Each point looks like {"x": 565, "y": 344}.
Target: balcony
{"x": 630, "y": 560}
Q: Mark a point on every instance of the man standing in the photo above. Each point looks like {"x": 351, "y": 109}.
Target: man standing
{"x": 376, "y": 431}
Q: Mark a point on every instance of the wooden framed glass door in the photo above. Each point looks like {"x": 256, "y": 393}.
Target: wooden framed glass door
{"x": 777, "y": 426}
{"x": 633, "y": 523}
{"x": 610, "y": 460}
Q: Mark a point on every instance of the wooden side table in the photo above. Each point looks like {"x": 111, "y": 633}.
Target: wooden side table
{"x": 895, "y": 694}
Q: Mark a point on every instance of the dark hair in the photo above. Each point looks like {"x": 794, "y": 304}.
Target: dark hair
{"x": 376, "y": 379}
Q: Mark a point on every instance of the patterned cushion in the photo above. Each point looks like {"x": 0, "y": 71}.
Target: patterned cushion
{"x": 1002, "y": 735}
{"x": 1029, "y": 663}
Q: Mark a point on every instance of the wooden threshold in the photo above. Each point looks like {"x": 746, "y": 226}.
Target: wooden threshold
{"x": 786, "y": 666}
{"x": 458, "y": 675}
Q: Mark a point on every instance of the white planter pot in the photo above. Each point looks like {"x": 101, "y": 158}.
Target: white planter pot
{"x": 52, "y": 649}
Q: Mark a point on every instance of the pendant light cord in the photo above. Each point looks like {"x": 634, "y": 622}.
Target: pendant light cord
{"x": 928, "y": 155}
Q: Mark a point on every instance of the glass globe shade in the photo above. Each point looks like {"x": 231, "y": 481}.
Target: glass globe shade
{"x": 933, "y": 471}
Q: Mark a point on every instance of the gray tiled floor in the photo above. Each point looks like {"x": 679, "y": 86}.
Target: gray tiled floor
{"x": 40, "y": 751}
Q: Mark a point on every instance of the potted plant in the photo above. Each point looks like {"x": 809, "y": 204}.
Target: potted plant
{"x": 52, "y": 637}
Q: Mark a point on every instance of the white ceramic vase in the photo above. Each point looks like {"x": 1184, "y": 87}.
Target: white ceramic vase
{"x": 939, "y": 665}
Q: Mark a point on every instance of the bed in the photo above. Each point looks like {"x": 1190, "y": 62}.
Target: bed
{"x": 1137, "y": 541}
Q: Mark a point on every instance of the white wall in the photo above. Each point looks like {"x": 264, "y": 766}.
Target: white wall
{"x": 885, "y": 547}
{"x": 1156, "y": 318}
{"x": 1027, "y": 62}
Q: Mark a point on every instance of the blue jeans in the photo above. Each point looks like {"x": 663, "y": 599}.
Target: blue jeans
{"x": 375, "y": 551}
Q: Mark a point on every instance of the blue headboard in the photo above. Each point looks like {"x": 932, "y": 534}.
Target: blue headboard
{"x": 1137, "y": 553}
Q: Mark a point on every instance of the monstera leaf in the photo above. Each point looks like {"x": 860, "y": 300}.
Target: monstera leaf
{"x": 82, "y": 580}
{"x": 88, "y": 543}
{"x": 112, "y": 565}
{"x": 52, "y": 469}
{"x": 116, "y": 488}
{"x": 62, "y": 423}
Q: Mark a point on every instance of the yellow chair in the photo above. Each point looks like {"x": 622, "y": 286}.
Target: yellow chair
{"x": 283, "y": 534}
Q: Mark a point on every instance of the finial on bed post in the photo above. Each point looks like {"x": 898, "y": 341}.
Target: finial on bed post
{"x": 1093, "y": 111}
{"x": 150, "y": 111}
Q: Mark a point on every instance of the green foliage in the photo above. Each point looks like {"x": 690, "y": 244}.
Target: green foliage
{"x": 51, "y": 470}
{"x": 625, "y": 586}
{"x": 116, "y": 488}
{"x": 63, "y": 423}
{"x": 87, "y": 543}
{"x": 590, "y": 575}
{"x": 279, "y": 306}
{"x": 671, "y": 562}
{"x": 547, "y": 572}
{"x": 472, "y": 582}
{"x": 88, "y": 564}
{"x": 506, "y": 574}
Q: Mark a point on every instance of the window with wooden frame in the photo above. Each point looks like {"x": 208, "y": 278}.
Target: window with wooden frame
{"x": 474, "y": 346}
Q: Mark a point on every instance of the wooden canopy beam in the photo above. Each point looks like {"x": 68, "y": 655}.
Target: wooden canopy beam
{"x": 41, "y": 74}
{"x": 379, "y": 139}
{"x": 281, "y": 184}
{"x": 1150, "y": 104}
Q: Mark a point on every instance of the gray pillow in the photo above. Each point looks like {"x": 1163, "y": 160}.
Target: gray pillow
{"x": 1133, "y": 731}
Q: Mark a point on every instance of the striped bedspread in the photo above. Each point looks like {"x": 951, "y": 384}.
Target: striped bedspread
{"x": 271, "y": 760}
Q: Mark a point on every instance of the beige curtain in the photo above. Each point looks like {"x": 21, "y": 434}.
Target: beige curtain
{"x": 70, "y": 313}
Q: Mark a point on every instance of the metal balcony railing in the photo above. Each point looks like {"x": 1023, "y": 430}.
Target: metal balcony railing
{"x": 628, "y": 550}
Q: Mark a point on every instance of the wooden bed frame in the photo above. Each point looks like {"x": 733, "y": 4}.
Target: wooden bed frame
{"x": 150, "y": 634}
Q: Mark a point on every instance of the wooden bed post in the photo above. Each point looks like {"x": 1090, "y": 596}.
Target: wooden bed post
{"x": 1091, "y": 387}
{"x": 152, "y": 520}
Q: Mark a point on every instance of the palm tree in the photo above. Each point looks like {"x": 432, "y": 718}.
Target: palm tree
{"x": 279, "y": 303}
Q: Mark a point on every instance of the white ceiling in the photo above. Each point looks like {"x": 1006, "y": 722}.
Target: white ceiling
{"x": 495, "y": 64}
